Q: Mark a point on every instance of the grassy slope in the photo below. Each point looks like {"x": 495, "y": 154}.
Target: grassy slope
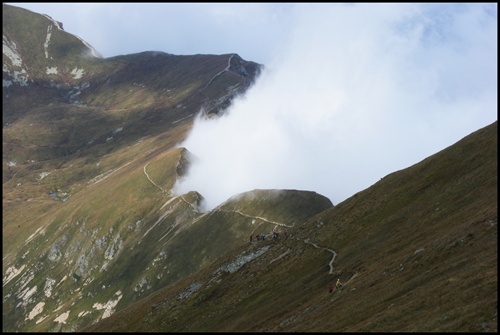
{"x": 154, "y": 239}
{"x": 372, "y": 236}
{"x": 143, "y": 96}
{"x": 417, "y": 251}
{"x": 92, "y": 155}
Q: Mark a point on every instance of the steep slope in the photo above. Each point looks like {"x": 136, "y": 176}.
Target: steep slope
{"x": 58, "y": 104}
{"x": 89, "y": 159}
{"x": 60, "y": 131}
{"x": 91, "y": 228}
{"x": 417, "y": 251}
{"x": 84, "y": 259}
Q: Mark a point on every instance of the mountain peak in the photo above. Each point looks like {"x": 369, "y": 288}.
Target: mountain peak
{"x": 94, "y": 238}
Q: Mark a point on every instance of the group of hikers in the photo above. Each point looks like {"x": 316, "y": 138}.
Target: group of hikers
{"x": 262, "y": 237}
{"x": 258, "y": 237}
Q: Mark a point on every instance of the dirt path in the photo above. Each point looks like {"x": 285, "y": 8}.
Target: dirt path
{"x": 281, "y": 256}
{"x": 330, "y": 264}
{"x": 105, "y": 175}
{"x": 221, "y": 72}
{"x": 330, "y": 250}
{"x": 260, "y": 218}
{"x": 194, "y": 207}
{"x": 152, "y": 182}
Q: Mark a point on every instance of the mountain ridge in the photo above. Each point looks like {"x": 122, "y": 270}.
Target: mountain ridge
{"x": 89, "y": 165}
{"x": 94, "y": 238}
{"x": 410, "y": 259}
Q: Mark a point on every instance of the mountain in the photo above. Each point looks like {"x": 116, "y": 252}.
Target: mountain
{"x": 415, "y": 252}
{"x": 95, "y": 240}
{"x": 90, "y": 155}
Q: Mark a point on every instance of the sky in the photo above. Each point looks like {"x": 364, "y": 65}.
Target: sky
{"x": 253, "y": 30}
{"x": 350, "y": 92}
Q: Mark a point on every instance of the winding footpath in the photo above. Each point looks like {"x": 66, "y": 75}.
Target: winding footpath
{"x": 221, "y": 72}
{"x": 330, "y": 250}
{"x": 152, "y": 182}
{"x": 258, "y": 217}
{"x": 330, "y": 264}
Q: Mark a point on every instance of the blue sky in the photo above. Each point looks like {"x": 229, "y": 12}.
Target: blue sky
{"x": 351, "y": 92}
{"x": 253, "y": 30}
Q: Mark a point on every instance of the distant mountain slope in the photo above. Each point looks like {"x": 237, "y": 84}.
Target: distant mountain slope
{"x": 54, "y": 86}
{"x": 417, "y": 252}
{"x": 60, "y": 130}
{"x": 36, "y": 48}
{"x": 89, "y": 159}
{"x": 90, "y": 223}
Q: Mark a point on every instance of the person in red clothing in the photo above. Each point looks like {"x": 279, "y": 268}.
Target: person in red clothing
{"x": 330, "y": 288}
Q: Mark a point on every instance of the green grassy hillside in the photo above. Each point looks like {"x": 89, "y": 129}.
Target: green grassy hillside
{"x": 125, "y": 232}
{"x": 415, "y": 252}
{"x": 90, "y": 155}
{"x": 95, "y": 240}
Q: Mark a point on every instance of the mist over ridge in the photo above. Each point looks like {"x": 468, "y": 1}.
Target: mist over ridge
{"x": 358, "y": 92}
{"x": 135, "y": 186}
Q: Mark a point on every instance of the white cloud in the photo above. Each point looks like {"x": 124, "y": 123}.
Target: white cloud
{"x": 352, "y": 92}
{"x": 360, "y": 91}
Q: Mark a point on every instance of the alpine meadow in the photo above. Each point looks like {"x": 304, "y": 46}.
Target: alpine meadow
{"x": 99, "y": 237}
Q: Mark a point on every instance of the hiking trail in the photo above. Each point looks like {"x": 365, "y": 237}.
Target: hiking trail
{"x": 330, "y": 250}
{"x": 330, "y": 264}
{"x": 152, "y": 182}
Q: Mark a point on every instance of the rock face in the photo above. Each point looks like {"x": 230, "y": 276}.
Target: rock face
{"x": 185, "y": 160}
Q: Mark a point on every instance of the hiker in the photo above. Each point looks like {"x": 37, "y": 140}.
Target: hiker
{"x": 330, "y": 288}
{"x": 262, "y": 236}
{"x": 338, "y": 284}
